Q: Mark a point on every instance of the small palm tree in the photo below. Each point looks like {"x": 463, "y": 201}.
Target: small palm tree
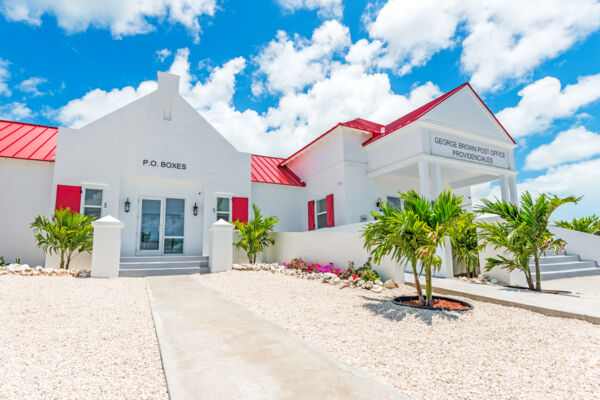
{"x": 463, "y": 234}
{"x": 589, "y": 224}
{"x": 394, "y": 235}
{"x": 425, "y": 224}
{"x": 524, "y": 229}
{"x": 65, "y": 234}
{"x": 255, "y": 235}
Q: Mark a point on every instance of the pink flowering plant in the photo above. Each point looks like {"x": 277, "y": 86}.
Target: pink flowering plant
{"x": 366, "y": 273}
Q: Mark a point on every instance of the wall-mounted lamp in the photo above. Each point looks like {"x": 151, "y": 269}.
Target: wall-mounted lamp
{"x": 195, "y": 208}
{"x": 127, "y": 205}
{"x": 379, "y": 204}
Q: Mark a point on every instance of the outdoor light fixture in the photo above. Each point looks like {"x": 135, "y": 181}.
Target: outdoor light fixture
{"x": 379, "y": 204}
{"x": 195, "y": 208}
{"x": 127, "y": 205}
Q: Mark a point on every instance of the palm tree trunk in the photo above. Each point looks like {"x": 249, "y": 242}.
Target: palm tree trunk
{"x": 538, "y": 278}
{"x": 62, "y": 260}
{"x": 417, "y": 283}
{"x": 428, "y": 288}
{"x": 529, "y": 280}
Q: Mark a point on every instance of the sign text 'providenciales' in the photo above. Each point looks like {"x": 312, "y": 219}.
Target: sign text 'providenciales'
{"x": 468, "y": 150}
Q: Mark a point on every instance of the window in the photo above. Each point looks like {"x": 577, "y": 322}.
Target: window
{"x": 321, "y": 213}
{"x": 394, "y": 202}
{"x": 224, "y": 208}
{"x": 174, "y": 218}
{"x": 92, "y": 203}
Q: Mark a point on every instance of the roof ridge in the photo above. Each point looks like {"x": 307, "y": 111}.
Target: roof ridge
{"x": 28, "y": 123}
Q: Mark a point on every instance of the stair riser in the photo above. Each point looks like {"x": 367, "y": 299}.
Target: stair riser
{"x": 164, "y": 259}
{"x": 563, "y": 267}
{"x": 570, "y": 274}
{"x": 162, "y": 265}
{"x": 556, "y": 259}
{"x": 161, "y": 272}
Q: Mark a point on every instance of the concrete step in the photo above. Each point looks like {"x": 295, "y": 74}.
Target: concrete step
{"x": 163, "y": 258}
{"x": 564, "y": 266}
{"x": 556, "y": 259}
{"x": 570, "y": 273}
{"x": 142, "y": 272}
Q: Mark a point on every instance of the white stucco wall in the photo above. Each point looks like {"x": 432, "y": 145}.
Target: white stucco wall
{"x": 288, "y": 203}
{"x": 337, "y": 245}
{"x": 115, "y": 146}
{"x": 26, "y": 193}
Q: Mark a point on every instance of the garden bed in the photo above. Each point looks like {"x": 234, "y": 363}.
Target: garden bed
{"x": 439, "y": 303}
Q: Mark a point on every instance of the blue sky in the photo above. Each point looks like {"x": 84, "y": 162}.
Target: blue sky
{"x": 273, "y": 74}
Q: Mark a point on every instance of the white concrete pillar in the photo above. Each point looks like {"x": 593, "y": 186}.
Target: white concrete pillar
{"x": 445, "y": 252}
{"x": 221, "y": 246}
{"x": 437, "y": 180}
{"x": 512, "y": 188}
{"x": 424, "y": 178}
{"x": 106, "y": 253}
{"x": 504, "y": 191}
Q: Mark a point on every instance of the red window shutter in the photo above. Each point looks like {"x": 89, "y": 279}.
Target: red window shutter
{"x": 68, "y": 196}
{"x": 311, "y": 215}
{"x": 330, "y": 219}
{"x": 239, "y": 209}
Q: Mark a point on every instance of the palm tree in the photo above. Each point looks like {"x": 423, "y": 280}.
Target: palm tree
{"x": 415, "y": 233}
{"x": 255, "y": 235}
{"x": 589, "y": 224}
{"x": 525, "y": 228}
{"x": 394, "y": 235}
{"x": 463, "y": 234}
{"x": 65, "y": 234}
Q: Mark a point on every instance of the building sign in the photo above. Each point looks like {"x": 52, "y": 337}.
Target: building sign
{"x": 468, "y": 150}
{"x": 163, "y": 164}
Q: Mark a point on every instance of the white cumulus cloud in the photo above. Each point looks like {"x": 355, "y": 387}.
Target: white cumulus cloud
{"x": 499, "y": 40}
{"x": 544, "y": 101}
{"x": 122, "y": 17}
{"x": 325, "y": 8}
{"x": 15, "y": 111}
{"x": 4, "y": 77}
{"x": 162, "y": 54}
{"x": 572, "y": 145}
{"x": 292, "y": 64}
{"x": 30, "y": 85}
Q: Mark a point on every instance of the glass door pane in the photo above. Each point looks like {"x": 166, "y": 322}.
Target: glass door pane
{"x": 150, "y": 225}
{"x": 174, "y": 218}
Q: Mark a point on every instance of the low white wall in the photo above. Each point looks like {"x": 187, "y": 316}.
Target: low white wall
{"x": 80, "y": 261}
{"x": 583, "y": 244}
{"x": 328, "y": 245}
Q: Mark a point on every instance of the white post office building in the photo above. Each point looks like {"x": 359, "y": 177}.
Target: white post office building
{"x": 162, "y": 169}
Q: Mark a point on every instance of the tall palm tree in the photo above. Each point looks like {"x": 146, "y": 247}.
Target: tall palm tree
{"x": 414, "y": 233}
{"x": 393, "y": 234}
{"x": 255, "y": 235}
{"x": 527, "y": 225}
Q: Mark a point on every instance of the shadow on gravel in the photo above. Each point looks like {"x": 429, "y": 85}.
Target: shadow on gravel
{"x": 389, "y": 310}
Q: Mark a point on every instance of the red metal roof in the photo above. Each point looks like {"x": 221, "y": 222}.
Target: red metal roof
{"x": 266, "y": 169}
{"x": 27, "y": 141}
{"x": 419, "y": 112}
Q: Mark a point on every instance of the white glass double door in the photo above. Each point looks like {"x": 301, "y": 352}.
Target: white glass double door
{"x": 160, "y": 226}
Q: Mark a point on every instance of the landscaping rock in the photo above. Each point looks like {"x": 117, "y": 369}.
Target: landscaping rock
{"x": 237, "y": 267}
{"x": 360, "y": 283}
{"x": 390, "y": 284}
{"x": 377, "y": 289}
{"x": 494, "y": 281}
{"x": 369, "y": 285}
{"x": 378, "y": 283}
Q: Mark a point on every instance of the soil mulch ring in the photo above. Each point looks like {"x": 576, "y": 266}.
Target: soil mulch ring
{"x": 542, "y": 291}
{"x": 439, "y": 303}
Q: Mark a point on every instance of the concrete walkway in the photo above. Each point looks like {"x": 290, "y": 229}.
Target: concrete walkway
{"x": 550, "y": 304}
{"x": 215, "y": 349}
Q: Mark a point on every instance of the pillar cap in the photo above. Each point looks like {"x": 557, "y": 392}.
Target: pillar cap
{"x": 108, "y": 221}
{"x": 221, "y": 224}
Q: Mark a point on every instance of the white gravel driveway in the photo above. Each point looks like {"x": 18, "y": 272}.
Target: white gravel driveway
{"x": 492, "y": 352}
{"x": 70, "y": 338}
